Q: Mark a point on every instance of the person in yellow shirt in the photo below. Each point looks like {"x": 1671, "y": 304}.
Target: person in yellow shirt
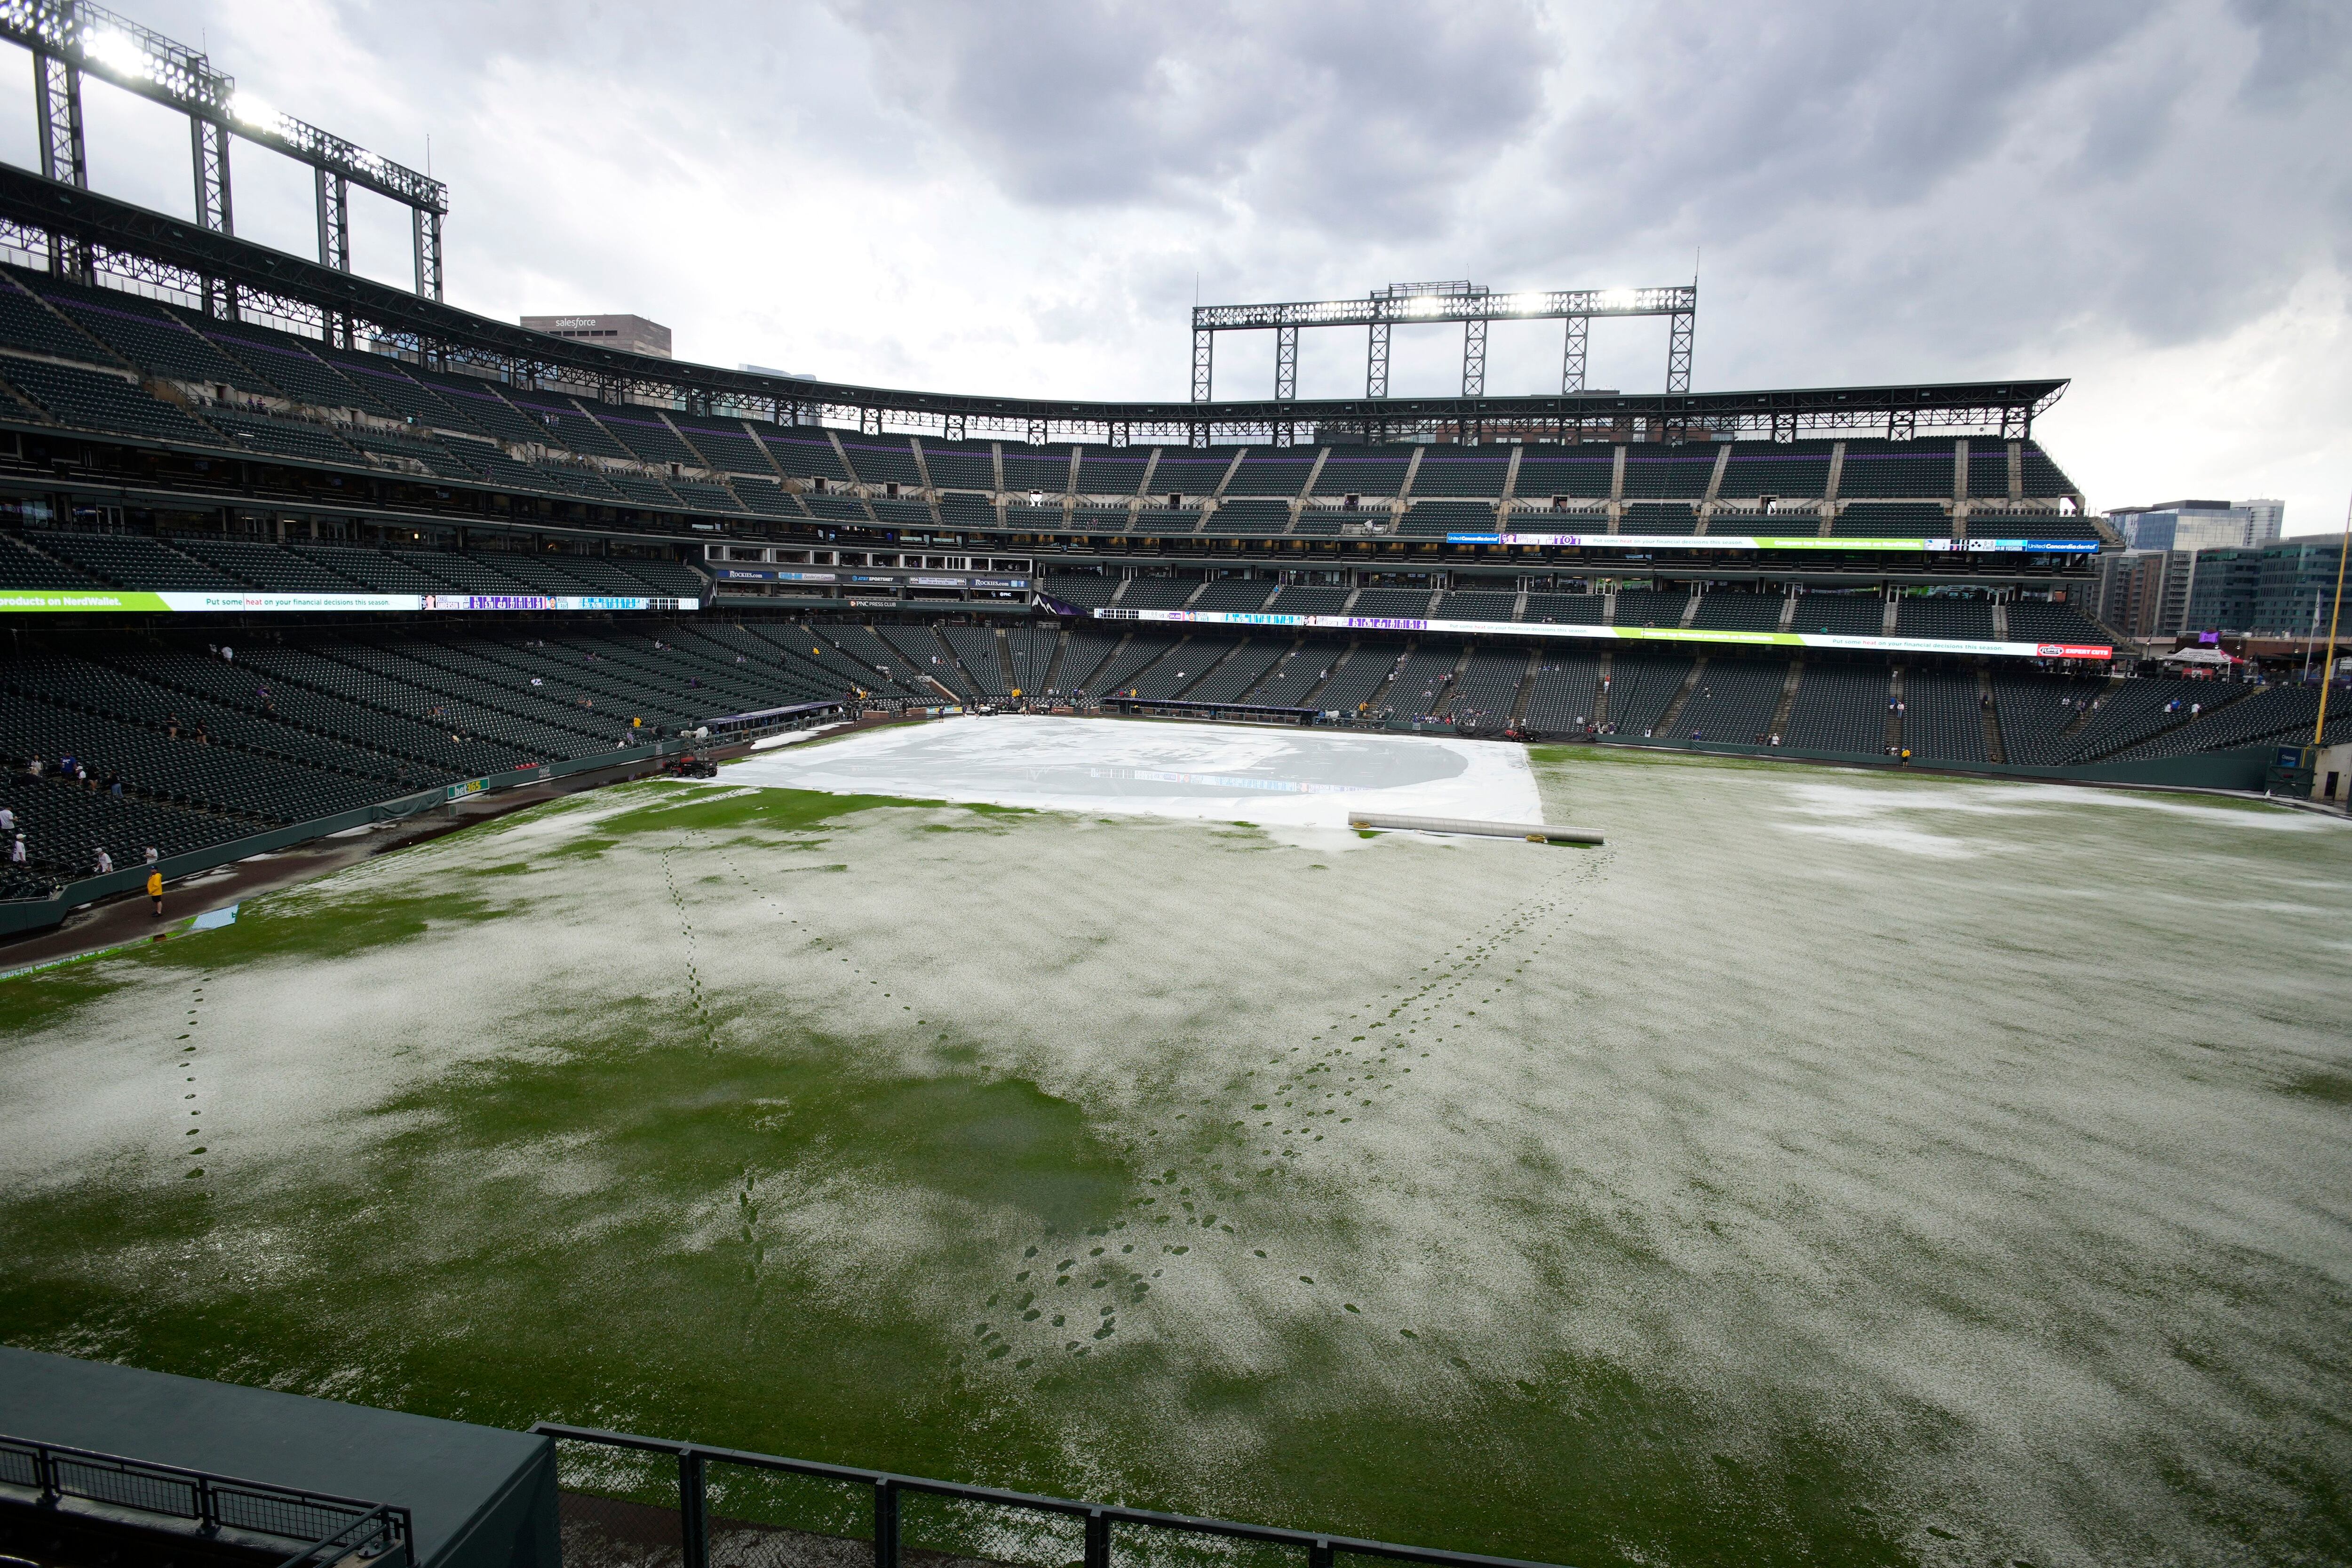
{"x": 155, "y": 889}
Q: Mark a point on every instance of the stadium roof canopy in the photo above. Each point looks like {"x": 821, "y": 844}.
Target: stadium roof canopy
{"x": 87, "y": 231}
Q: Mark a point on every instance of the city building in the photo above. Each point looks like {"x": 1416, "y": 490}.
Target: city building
{"x": 2280, "y": 590}
{"x": 2199, "y": 524}
{"x": 630, "y": 334}
{"x": 2132, "y": 592}
{"x": 2297, "y": 587}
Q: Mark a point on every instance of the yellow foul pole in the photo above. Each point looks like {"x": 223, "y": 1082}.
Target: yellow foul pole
{"x": 2335, "y": 614}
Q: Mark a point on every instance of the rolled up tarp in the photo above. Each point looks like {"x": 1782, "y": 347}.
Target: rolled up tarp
{"x": 1541, "y": 833}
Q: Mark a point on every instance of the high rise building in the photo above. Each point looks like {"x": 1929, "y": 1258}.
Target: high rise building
{"x": 2281, "y": 589}
{"x": 2268, "y": 521}
{"x": 2199, "y": 524}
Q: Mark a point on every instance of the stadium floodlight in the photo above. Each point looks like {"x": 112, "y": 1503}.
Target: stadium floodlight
{"x": 1458, "y": 301}
{"x": 70, "y": 38}
{"x": 117, "y": 52}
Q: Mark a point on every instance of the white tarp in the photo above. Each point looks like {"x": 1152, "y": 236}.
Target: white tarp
{"x": 1216, "y": 771}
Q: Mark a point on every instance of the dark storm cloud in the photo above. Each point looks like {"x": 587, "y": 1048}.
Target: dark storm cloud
{"x": 1021, "y": 197}
{"x": 1352, "y": 118}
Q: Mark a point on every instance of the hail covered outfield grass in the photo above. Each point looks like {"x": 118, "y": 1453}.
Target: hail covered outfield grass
{"x": 1834, "y": 1168}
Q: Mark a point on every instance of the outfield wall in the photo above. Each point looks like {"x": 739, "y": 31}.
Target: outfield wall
{"x": 2243, "y": 768}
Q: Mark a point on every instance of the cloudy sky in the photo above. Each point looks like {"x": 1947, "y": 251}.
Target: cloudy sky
{"x": 2154, "y": 199}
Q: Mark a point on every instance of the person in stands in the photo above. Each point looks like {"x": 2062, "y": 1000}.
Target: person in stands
{"x": 155, "y": 891}
{"x": 153, "y": 855}
{"x": 7, "y": 820}
{"x": 103, "y": 863}
{"x": 17, "y": 852}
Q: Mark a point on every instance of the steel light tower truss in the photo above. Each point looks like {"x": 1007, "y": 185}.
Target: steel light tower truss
{"x": 1474, "y": 306}
{"x": 70, "y": 38}
{"x": 160, "y": 252}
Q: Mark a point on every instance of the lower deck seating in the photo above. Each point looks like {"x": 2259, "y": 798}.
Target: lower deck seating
{"x": 2275, "y": 715}
{"x": 1838, "y": 708}
{"x": 2036, "y": 713}
{"x": 1423, "y": 682}
{"x": 310, "y": 720}
{"x": 1085, "y": 657}
{"x": 1120, "y": 672}
{"x": 1734, "y": 701}
{"x": 1175, "y": 674}
{"x": 1641, "y": 688}
{"x": 1942, "y": 718}
{"x": 1242, "y": 671}
{"x": 1566, "y": 698}
{"x": 1486, "y": 688}
{"x": 920, "y": 651}
{"x": 1295, "y": 676}
{"x": 1032, "y": 647}
{"x": 2137, "y": 710}
{"x": 1358, "y": 676}
{"x": 975, "y": 651}
{"x": 880, "y": 660}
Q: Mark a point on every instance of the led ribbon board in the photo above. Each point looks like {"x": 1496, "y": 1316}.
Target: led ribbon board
{"x": 1762, "y": 542}
{"x": 1624, "y": 634}
{"x": 118, "y": 601}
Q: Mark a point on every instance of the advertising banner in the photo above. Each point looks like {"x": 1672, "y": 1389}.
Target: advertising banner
{"x": 1622, "y": 634}
{"x": 88, "y": 601}
{"x": 768, "y": 574}
{"x": 1653, "y": 542}
{"x": 104, "y": 599}
{"x": 551, "y": 602}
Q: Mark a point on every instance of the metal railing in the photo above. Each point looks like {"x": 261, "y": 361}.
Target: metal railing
{"x": 330, "y": 1527}
{"x": 887, "y": 1491}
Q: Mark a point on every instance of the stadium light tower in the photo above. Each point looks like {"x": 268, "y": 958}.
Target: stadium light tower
{"x": 70, "y": 38}
{"x": 1474, "y": 306}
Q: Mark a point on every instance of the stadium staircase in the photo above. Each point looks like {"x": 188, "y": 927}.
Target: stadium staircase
{"x": 1989, "y": 708}
{"x": 1527, "y": 690}
{"x": 1894, "y": 700}
{"x": 1779, "y": 724}
{"x": 1005, "y": 660}
{"x": 1673, "y": 715}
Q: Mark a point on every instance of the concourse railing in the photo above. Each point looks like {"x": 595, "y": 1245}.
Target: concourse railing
{"x": 328, "y": 1527}
{"x": 988, "y": 1521}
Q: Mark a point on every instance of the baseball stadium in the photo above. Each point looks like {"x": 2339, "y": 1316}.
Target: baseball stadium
{"x": 613, "y": 962}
